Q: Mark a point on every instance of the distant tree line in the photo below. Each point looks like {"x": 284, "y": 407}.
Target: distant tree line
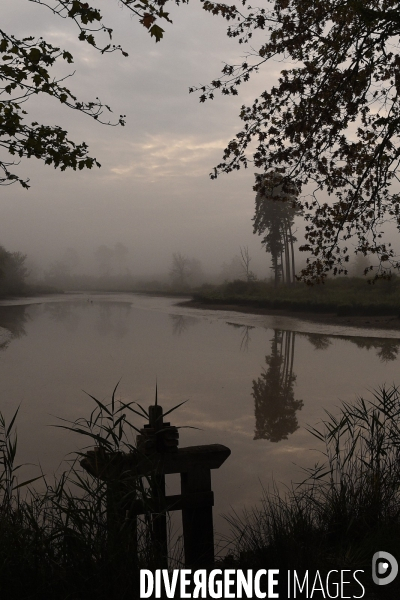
{"x": 13, "y": 273}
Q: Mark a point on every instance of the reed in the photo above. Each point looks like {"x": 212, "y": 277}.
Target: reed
{"x": 60, "y": 542}
{"x": 63, "y": 542}
{"x": 348, "y": 505}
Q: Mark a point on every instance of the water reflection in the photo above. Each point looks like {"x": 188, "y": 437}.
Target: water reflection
{"x": 244, "y": 344}
{"x": 275, "y": 405}
{"x": 63, "y": 312}
{"x": 14, "y": 319}
{"x": 320, "y": 342}
{"x": 113, "y": 318}
{"x": 244, "y": 382}
{"x": 180, "y": 323}
{"x": 387, "y": 348}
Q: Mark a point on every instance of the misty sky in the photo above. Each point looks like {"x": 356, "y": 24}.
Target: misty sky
{"x": 153, "y": 192}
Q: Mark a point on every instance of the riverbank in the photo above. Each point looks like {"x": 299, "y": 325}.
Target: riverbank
{"x": 31, "y": 291}
{"x": 343, "y": 302}
{"x": 359, "y": 321}
{"x": 319, "y": 322}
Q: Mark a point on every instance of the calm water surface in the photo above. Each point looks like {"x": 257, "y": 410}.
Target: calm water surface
{"x": 253, "y": 382}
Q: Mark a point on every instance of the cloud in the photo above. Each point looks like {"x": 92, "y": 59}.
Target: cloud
{"x": 160, "y": 156}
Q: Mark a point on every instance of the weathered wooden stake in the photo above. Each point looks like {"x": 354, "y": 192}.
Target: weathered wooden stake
{"x": 159, "y": 519}
{"x": 197, "y": 521}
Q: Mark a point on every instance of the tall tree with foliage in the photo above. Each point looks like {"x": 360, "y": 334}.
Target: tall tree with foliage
{"x": 276, "y": 208}
{"x": 331, "y": 122}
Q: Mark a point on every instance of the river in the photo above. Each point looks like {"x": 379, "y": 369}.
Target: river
{"x": 253, "y": 382}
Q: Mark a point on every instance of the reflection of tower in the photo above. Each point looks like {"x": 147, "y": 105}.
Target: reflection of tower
{"x": 275, "y": 406}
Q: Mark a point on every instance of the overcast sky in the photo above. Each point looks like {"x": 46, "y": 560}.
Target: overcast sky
{"x": 153, "y": 192}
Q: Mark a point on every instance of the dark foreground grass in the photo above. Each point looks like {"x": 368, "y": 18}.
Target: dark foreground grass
{"x": 345, "y": 296}
{"x": 346, "y": 509}
{"x": 75, "y": 539}
{"x": 69, "y": 541}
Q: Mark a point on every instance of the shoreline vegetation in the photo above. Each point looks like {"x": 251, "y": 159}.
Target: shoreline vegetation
{"x": 69, "y": 540}
{"x": 347, "y": 301}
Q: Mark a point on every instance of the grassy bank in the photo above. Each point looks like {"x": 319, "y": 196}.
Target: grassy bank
{"x": 342, "y": 296}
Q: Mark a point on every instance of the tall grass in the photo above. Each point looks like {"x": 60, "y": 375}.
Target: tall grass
{"x": 77, "y": 539}
{"x": 347, "y": 507}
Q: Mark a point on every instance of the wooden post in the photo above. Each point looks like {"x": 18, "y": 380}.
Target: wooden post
{"x": 159, "y": 519}
{"x": 158, "y": 455}
{"x": 197, "y": 521}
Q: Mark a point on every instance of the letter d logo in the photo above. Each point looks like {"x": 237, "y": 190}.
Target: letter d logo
{"x": 384, "y": 568}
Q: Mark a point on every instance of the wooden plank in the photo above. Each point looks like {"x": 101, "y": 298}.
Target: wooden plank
{"x": 114, "y": 465}
{"x": 210, "y": 456}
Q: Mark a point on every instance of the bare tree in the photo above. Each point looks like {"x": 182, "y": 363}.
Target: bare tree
{"x": 196, "y": 274}
{"x": 180, "y": 271}
{"x": 246, "y": 258}
{"x": 232, "y": 270}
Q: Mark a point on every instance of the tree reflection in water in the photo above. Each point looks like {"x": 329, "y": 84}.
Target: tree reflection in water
{"x": 319, "y": 341}
{"x": 275, "y": 406}
{"x": 13, "y": 318}
{"x": 112, "y": 318}
{"x": 180, "y": 323}
{"x": 387, "y": 348}
{"x": 244, "y": 343}
{"x": 63, "y": 312}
